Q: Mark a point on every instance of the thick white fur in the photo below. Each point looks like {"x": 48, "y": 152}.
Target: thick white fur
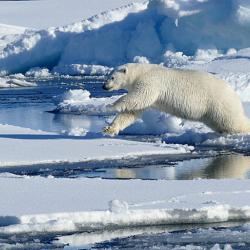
{"x": 186, "y": 94}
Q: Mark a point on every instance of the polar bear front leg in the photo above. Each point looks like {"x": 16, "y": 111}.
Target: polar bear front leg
{"x": 142, "y": 97}
{"x": 121, "y": 121}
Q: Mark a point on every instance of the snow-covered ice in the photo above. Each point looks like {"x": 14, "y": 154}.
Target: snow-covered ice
{"x": 82, "y": 204}
{"x": 13, "y": 82}
{"x": 79, "y": 102}
{"x": 29, "y": 147}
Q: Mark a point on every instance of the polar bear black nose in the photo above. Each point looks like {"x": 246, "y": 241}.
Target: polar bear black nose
{"x": 105, "y": 87}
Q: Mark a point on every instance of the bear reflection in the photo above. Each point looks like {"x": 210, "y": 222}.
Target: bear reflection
{"x": 221, "y": 167}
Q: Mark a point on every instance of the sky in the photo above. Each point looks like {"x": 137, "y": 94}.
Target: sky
{"x": 46, "y": 13}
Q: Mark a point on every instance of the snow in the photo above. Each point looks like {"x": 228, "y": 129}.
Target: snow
{"x": 80, "y": 102}
{"x": 9, "y": 33}
{"x": 12, "y": 82}
{"x": 6, "y": 29}
{"x": 30, "y": 147}
{"x": 82, "y": 69}
{"x": 142, "y": 30}
{"x": 38, "y": 73}
{"x": 106, "y": 204}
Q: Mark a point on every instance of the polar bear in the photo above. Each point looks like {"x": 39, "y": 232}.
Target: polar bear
{"x": 188, "y": 94}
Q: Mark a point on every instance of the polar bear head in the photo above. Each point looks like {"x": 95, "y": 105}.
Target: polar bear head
{"x": 118, "y": 79}
{"x": 127, "y": 75}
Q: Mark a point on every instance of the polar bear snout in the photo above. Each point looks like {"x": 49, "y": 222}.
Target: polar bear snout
{"x": 105, "y": 87}
{"x": 109, "y": 85}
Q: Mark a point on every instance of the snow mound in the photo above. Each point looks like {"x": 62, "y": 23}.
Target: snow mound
{"x": 82, "y": 69}
{"x": 237, "y": 142}
{"x": 154, "y": 122}
{"x": 146, "y": 30}
{"x": 38, "y": 73}
{"x": 79, "y": 102}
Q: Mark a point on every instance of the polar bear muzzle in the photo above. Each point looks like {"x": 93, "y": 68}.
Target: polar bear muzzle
{"x": 108, "y": 86}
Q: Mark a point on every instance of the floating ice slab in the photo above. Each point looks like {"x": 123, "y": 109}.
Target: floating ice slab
{"x": 20, "y": 146}
{"x": 45, "y": 204}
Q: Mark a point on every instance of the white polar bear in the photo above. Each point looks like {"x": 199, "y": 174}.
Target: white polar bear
{"x": 187, "y": 94}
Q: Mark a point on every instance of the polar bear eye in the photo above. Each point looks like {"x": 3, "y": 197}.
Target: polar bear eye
{"x": 124, "y": 71}
{"x": 112, "y": 78}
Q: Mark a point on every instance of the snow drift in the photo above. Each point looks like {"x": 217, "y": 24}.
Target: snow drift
{"x": 147, "y": 30}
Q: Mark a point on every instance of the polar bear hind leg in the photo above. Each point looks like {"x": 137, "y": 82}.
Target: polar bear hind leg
{"x": 228, "y": 119}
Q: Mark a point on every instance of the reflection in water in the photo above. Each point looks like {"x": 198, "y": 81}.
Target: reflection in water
{"x": 230, "y": 166}
{"x": 233, "y": 166}
{"x": 220, "y": 167}
{"x": 26, "y": 107}
{"x": 70, "y": 123}
{"x": 37, "y": 118}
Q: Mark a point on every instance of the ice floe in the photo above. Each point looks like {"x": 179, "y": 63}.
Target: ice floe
{"x": 88, "y": 204}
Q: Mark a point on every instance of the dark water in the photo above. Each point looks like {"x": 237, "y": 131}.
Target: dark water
{"x": 229, "y": 166}
{"x": 219, "y": 237}
{"x": 186, "y": 237}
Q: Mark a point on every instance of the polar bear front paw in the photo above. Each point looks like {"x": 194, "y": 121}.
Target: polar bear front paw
{"x": 110, "y": 131}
